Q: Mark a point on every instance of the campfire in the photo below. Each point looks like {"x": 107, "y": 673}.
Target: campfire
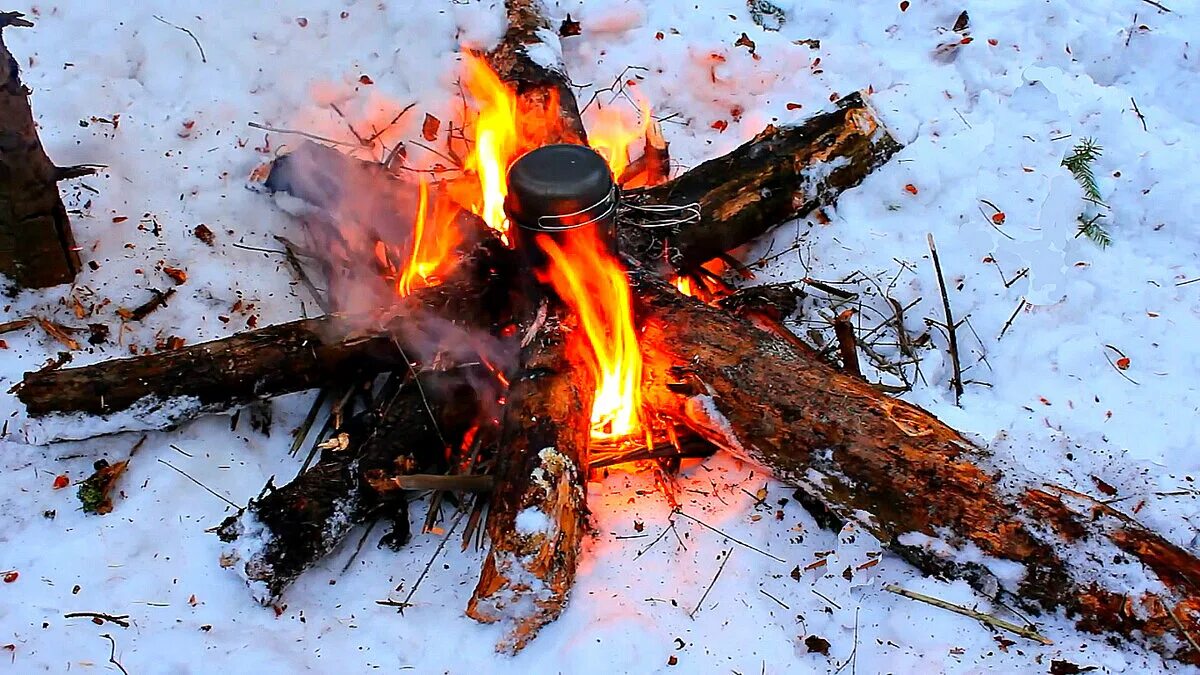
{"x": 556, "y": 303}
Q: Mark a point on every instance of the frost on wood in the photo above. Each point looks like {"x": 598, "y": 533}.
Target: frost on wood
{"x": 147, "y": 413}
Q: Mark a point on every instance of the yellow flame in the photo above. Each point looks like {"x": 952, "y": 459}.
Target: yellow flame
{"x": 495, "y": 140}
{"x": 593, "y": 285}
{"x": 611, "y": 132}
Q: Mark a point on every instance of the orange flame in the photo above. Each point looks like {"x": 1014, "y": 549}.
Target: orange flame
{"x": 433, "y": 240}
{"x": 593, "y": 285}
{"x": 496, "y": 141}
{"x": 610, "y": 133}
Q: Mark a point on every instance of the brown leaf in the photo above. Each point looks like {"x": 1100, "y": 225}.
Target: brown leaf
{"x": 1104, "y": 487}
{"x": 204, "y": 234}
{"x": 569, "y": 28}
{"x": 745, "y": 41}
{"x": 429, "y": 128}
{"x": 817, "y": 645}
{"x": 963, "y": 22}
{"x": 95, "y": 493}
{"x": 177, "y": 275}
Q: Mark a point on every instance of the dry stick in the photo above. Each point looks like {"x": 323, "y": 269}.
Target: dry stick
{"x": 112, "y": 655}
{"x": 736, "y": 541}
{"x": 121, "y": 620}
{"x": 210, "y": 490}
{"x": 1008, "y": 324}
{"x": 203, "y": 59}
{"x": 442, "y": 482}
{"x": 1139, "y": 113}
{"x": 289, "y": 250}
{"x": 781, "y": 603}
{"x": 1024, "y": 632}
{"x": 728, "y": 555}
{"x": 1186, "y": 634}
{"x": 297, "y": 132}
{"x": 950, "y": 325}
{"x": 402, "y": 605}
{"x": 1152, "y": 2}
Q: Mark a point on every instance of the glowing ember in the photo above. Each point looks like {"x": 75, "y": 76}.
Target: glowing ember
{"x": 496, "y": 141}
{"x": 684, "y": 285}
{"x": 593, "y": 284}
{"x": 611, "y": 132}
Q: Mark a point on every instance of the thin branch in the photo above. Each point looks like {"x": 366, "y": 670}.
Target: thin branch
{"x": 1013, "y": 628}
{"x": 404, "y": 604}
{"x": 211, "y": 491}
{"x": 112, "y": 655}
{"x": 1155, "y": 4}
{"x": 121, "y": 620}
{"x": 728, "y": 555}
{"x": 203, "y": 59}
{"x": 736, "y": 541}
{"x": 951, "y": 327}
{"x": 297, "y": 132}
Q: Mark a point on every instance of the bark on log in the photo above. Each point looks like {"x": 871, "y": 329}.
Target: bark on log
{"x": 783, "y": 173}
{"x": 538, "y": 513}
{"x": 37, "y": 248}
{"x": 279, "y": 536}
{"x": 894, "y": 469}
{"x": 162, "y": 390}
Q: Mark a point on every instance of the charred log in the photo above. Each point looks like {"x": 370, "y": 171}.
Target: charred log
{"x": 538, "y": 513}
{"x": 288, "y": 530}
{"x": 894, "y": 469}
{"x": 164, "y": 389}
{"x": 37, "y": 247}
{"x": 782, "y": 173}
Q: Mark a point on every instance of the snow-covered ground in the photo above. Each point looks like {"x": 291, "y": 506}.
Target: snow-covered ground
{"x": 990, "y": 120}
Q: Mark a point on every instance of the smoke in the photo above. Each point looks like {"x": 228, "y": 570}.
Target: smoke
{"x": 360, "y": 220}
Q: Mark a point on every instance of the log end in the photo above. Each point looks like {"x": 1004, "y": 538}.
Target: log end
{"x": 528, "y": 574}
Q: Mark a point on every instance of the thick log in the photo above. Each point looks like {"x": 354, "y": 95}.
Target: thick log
{"x": 781, "y": 174}
{"x": 538, "y": 513}
{"x": 165, "y": 389}
{"x": 921, "y": 488}
{"x": 37, "y": 248}
{"x": 285, "y": 532}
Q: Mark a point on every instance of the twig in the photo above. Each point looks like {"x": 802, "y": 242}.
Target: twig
{"x": 121, "y": 620}
{"x": 374, "y": 137}
{"x": 950, "y": 325}
{"x": 404, "y": 604}
{"x": 1152, "y": 2}
{"x": 728, "y": 555}
{"x": 297, "y": 132}
{"x": 294, "y": 261}
{"x": 853, "y": 659}
{"x": 1024, "y": 632}
{"x": 354, "y": 132}
{"x": 1178, "y": 624}
{"x": 358, "y": 549}
{"x": 1008, "y": 324}
{"x": 112, "y": 655}
{"x": 451, "y": 483}
{"x": 818, "y": 594}
{"x": 777, "y": 600}
{"x": 1139, "y": 114}
{"x": 183, "y": 473}
{"x": 736, "y": 541}
{"x": 670, "y": 524}
{"x": 203, "y": 59}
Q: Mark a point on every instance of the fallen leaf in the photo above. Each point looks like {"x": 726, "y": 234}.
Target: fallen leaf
{"x": 61, "y": 481}
{"x": 911, "y": 189}
{"x": 998, "y": 217}
{"x": 963, "y": 22}
{"x": 177, "y": 275}
{"x": 365, "y": 79}
{"x": 672, "y": 660}
{"x": 302, "y": 22}
{"x": 659, "y": 35}
{"x": 817, "y": 645}
{"x": 1067, "y": 668}
{"x": 95, "y": 493}
{"x": 794, "y": 106}
{"x": 1104, "y": 487}
{"x": 1123, "y": 363}
{"x": 120, "y": 219}
{"x": 11, "y": 576}
{"x": 904, "y": 6}
{"x": 204, "y": 234}
{"x": 570, "y": 28}
{"x": 429, "y": 128}
{"x": 745, "y": 41}
{"x": 720, "y": 125}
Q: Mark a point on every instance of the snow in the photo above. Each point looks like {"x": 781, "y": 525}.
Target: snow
{"x": 982, "y": 121}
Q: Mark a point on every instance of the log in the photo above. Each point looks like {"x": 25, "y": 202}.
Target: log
{"x": 918, "y": 486}
{"x": 162, "y": 390}
{"x": 538, "y": 512}
{"x": 277, "y": 537}
{"x": 37, "y": 247}
{"x": 781, "y": 174}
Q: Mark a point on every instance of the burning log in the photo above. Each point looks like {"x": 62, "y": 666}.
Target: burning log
{"x": 538, "y": 513}
{"x": 781, "y": 174}
{"x": 280, "y": 535}
{"x": 37, "y": 247}
{"x": 918, "y": 486}
{"x": 165, "y": 389}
